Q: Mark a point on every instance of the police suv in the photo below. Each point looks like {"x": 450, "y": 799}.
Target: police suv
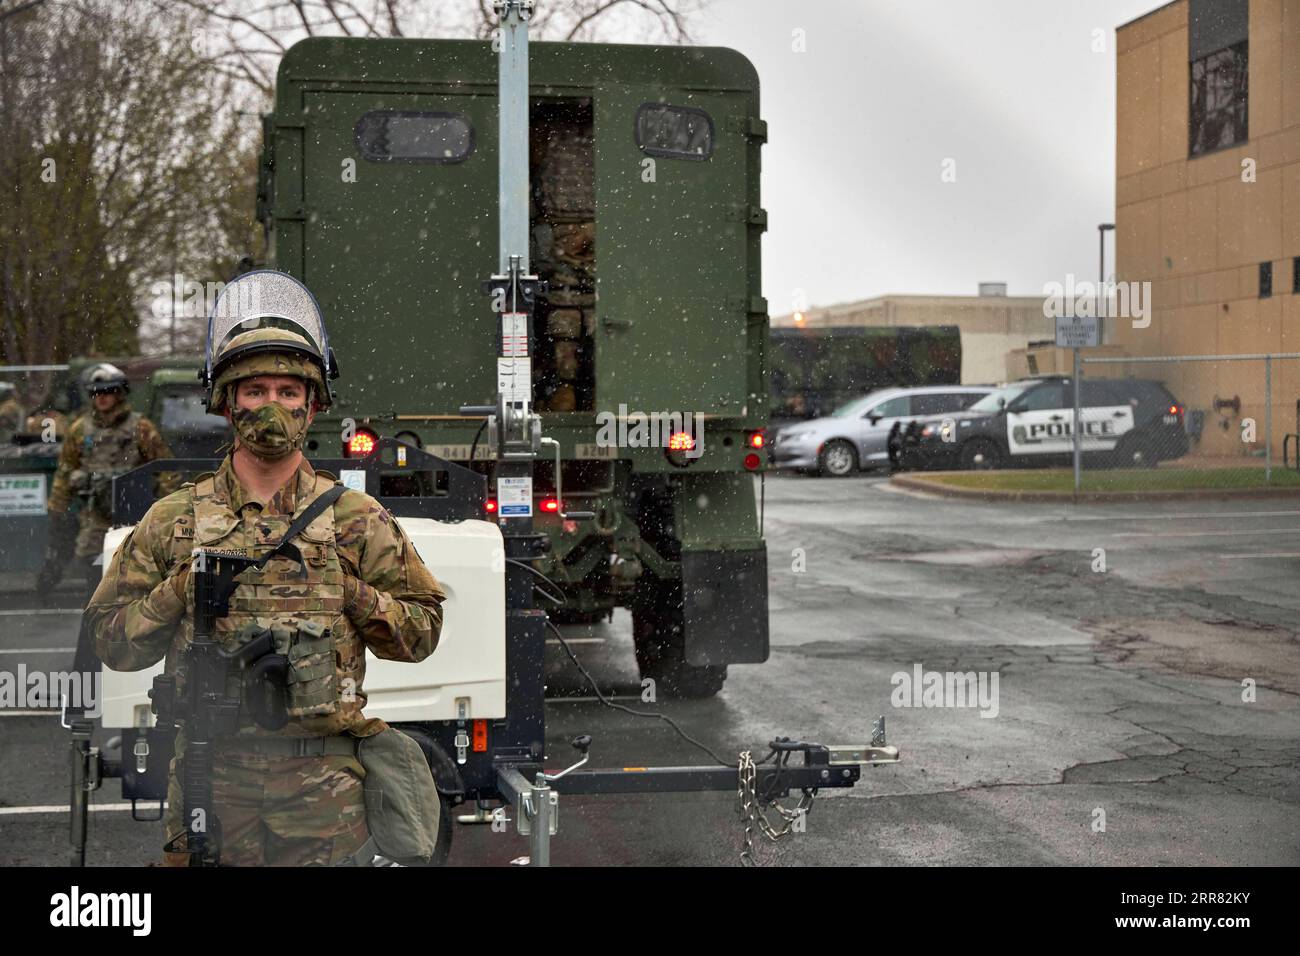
{"x": 1126, "y": 421}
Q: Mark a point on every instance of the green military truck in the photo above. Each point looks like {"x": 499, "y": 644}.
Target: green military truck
{"x": 815, "y": 371}
{"x": 378, "y": 189}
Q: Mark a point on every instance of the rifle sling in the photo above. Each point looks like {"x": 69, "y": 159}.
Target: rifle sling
{"x": 285, "y": 548}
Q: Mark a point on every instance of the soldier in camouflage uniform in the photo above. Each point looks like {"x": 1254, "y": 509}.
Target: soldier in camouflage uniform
{"x": 108, "y": 441}
{"x": 10, "y": 414}
{"x": 291, "y": 797}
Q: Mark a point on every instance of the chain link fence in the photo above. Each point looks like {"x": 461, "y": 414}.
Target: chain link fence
{"x": 1190, "y": 423}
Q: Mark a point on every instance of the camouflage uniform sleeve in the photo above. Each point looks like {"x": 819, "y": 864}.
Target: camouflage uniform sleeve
{"x": 152, "y": 447}
{"x": 134, "y": 611}
{"x": 69, "y": 461}
{"x": 394, "y": 600}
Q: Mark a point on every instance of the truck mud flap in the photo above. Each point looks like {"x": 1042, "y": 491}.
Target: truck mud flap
{"x": 725, "y": 606}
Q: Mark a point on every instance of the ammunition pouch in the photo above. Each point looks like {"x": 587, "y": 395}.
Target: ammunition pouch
{"x": 402, "y": 804}
{"x": 311, "y": 679}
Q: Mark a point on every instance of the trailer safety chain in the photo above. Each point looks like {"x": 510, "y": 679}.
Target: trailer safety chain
{"x": 748, "y": 805}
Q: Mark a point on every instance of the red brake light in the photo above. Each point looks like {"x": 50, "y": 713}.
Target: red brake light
{"x": 1175, "y": 410}
{"x": 490, "y": 506}
{"x": 361, "y": 444}
{"x": 756, "y": 440}
{"x": 681, "y": 441}
{"x": 550, "y": 504}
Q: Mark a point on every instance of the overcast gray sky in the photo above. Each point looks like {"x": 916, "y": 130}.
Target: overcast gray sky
{"x": 859, "y": 127}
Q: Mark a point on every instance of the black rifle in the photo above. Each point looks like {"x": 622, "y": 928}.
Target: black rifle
{"x": 206, "y": 707}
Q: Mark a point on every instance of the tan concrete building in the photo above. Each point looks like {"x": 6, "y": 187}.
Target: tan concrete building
{"x": 1208, "y": 202}
{"x": 991, "y": 324}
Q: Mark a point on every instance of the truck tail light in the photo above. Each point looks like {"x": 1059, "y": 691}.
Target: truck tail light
{"x": 479, "y": 738}
{"x": 550, "y": 505}
{"x": 753, "y": 462}
{"x": 490, "y": 506}
{"x": 679, "y": 443}
{"x": 756, "y": 439}
{"x": 361, "y": 444}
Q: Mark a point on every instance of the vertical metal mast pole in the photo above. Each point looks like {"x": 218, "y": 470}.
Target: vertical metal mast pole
{"x": 518, "y": 428}
{"x": 514, "y": 429}
{"x": 512, "y": 175}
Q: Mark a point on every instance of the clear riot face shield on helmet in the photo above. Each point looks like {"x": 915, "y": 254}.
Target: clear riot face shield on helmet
{"x": 266, "y": 299}
{"x": 104, "y": 379}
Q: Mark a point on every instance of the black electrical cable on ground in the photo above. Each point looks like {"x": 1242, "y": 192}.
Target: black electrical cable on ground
{"x": 596, "y": 689}
{"x": 628, "y": 710}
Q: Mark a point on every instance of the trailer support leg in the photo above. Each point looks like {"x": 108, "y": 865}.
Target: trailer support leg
{"x": 540, "y": 820}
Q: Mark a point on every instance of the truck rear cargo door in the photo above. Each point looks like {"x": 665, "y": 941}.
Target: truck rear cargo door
{"x": 399, "y": 203}
{"x": 672, "y": 240}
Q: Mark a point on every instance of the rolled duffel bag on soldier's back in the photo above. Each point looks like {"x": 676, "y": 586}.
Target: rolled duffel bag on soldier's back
{"x": 401, "y": 798}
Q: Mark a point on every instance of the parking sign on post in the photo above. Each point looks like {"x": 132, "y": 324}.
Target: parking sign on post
{"x": 1077, "y": 332}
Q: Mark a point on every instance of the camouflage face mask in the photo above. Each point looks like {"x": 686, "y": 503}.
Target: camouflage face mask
{"x": 271, "y": 430}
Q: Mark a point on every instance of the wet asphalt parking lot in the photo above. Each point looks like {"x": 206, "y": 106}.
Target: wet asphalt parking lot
{"x": 1119, "y": 694}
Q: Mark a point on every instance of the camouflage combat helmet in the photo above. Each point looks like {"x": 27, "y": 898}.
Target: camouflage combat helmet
{"x": 105, "y": 378}
{"x": 266, "y": 323}
{"x": 265, "y": 352}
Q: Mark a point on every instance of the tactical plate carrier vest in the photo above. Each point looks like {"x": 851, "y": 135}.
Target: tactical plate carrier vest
{"x": 107, "y": 451}
{"x": 301, "y": 605}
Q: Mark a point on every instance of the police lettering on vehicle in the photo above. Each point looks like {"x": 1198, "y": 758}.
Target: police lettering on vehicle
{"x": 1038, "y": 431}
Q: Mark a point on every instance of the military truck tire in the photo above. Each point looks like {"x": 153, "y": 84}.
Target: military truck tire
{"x": 838, "y": 459}
{"x": 659, "y": 635}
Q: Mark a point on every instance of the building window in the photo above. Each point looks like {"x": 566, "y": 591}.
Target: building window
{"x": 1265, "y": 280}
{"x": 1217, "y": 56}
{"x": 1218, "y": 109}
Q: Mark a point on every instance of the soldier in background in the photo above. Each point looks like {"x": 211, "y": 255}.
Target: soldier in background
{"x": 109, "y": 440}
{"x": 10, "y": 413}
{"x": 291, "y": 797}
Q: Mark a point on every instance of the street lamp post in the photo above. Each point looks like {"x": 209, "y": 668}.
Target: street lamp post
{"x": 1102, "y": 229}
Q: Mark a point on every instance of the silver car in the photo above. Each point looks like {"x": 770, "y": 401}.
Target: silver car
{"x": 856, "y": 435}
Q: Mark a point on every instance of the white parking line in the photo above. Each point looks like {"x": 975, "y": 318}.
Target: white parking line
{"x": 1276, "y": 554}
{"x": 94, "y": 808}
{"x": 585, "y": 700}
{"x": 37, "y": 650}
{"x": 1178, "y": 517}
{"x": 1259, "y": 532}
{"x": 42, "y": 712}
{"x": 576, "y": 640}
{"x": 42, "y": 610}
